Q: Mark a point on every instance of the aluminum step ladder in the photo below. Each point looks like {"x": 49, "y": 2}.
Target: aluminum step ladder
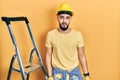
{"x": 26, "y": 69}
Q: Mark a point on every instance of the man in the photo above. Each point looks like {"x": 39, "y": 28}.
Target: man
{"x": 65, "y": 49}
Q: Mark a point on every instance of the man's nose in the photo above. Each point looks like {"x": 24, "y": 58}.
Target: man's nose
{"x": 64, "y": 19}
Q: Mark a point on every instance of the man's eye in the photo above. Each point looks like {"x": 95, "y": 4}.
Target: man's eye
{"x": 61, "y": 17}
{"x": 67, "y": 17}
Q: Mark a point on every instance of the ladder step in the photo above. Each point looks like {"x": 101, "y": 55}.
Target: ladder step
{"x": 28, "y": 68}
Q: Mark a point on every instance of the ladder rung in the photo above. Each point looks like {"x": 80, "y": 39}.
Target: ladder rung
{"x": 28, "y": 68}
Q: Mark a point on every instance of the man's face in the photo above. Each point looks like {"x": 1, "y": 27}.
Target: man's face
{"x": 64, "y": 21}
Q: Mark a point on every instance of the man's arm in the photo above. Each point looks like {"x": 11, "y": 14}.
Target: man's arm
{"x": 49, "y": 60}
{"x": 82, "y": 59}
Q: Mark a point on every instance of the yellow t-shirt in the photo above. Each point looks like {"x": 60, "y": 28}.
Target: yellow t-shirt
{"x": 65, "y": 55}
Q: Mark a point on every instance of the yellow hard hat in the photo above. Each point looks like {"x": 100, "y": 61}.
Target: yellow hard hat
{"x": 64, "y": 7}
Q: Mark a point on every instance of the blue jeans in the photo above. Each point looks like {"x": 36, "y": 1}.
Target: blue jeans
{"x": 76, "y": 78}
{"x": 75, "y": 72}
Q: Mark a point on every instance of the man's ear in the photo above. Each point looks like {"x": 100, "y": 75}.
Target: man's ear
{"x": 57, "y": 17}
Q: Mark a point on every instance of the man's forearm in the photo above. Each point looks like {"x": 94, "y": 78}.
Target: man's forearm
{"x": 49, "y": 69}
{"x": 49, "y": 60}
{"x": 84, "y": 64}
{"x": 48, "y": 65}
{"x": 82, "y": 59}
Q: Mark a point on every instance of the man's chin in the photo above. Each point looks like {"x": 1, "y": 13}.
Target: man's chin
{"x": 64, "y": 27}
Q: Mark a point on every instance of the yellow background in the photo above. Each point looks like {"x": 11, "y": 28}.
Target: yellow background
{"x": 98, "y": 20}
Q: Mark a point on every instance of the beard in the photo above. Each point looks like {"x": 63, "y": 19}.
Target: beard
{"x": 63, "y": 27}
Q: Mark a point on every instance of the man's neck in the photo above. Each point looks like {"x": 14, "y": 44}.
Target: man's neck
{"x": 64, "y": 32}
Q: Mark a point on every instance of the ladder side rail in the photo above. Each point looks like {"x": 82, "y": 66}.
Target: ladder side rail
{"x": 37, "y": 51}
{"x": 17, "y": 53}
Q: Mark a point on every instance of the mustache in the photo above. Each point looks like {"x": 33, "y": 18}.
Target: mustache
{"x": 64, "y": 23}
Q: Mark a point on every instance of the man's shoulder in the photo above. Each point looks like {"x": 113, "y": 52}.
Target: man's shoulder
{"x": 76, "y": 31}
{"x": 52, "y": 31}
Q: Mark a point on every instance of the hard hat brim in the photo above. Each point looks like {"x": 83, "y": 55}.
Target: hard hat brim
{"x": 65, "y": 12}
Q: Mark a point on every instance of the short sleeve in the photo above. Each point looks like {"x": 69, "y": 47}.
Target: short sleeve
{"x": 80, "y": 40}
{"x": 48, "y": 41}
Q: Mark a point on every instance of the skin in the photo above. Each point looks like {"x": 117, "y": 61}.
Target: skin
{"x": 64, "y": 20}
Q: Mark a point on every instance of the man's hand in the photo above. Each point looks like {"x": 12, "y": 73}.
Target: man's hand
{"x": 50, "y": 78}
{"x": 87, "y": 78}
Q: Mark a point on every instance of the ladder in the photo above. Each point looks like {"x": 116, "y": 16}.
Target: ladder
{"x": 24, "y": 69}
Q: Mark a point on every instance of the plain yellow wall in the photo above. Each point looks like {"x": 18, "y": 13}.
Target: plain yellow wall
{"x": 98, "y": 20}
